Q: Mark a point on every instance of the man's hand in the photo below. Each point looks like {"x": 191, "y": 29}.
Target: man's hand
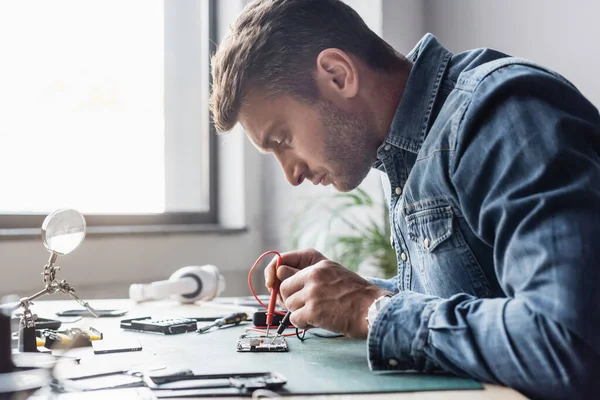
{"x": 291, "y": 263}
{"x": 324, "y": 294}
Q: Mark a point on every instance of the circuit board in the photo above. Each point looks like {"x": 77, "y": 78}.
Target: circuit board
{"x": 261, "y": 343}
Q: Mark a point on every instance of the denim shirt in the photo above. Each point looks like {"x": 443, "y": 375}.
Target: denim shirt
{"x": 492, "y": 172}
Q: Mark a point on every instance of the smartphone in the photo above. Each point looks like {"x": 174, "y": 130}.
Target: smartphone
{"x": 85, "y": 313}
{"x": 116, "y": 345}
{"x": 261, "y": 343}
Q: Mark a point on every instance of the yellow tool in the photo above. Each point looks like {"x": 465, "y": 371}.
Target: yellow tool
{"x": 232, "y": 319}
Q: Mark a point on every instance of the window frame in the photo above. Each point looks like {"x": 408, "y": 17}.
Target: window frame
{"x": 19, "y": 225}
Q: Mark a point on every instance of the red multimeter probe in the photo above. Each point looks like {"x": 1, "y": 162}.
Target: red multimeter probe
{"x": 273, "y": 299}
{"x": 274, "y": 290}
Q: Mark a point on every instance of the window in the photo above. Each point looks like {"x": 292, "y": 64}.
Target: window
{"x": 104, "y": 109}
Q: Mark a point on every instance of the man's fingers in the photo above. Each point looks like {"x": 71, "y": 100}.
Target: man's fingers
{"x": 294, "y": 261}
{"x": 291, "y": 285}
{"x": 270, "y": 273}
{"x": 300, "y": 318}
{"x": 301, "y": 258}
{"x": 284, "y": 272}
{"x": 294, "y": 302}
{"x": 280, "y": 301}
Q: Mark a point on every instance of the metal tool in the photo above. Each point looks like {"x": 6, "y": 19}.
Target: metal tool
{"x": 62, "y": 232}
{"x": 232, "y": 319}
{"x": 282, "y": 325}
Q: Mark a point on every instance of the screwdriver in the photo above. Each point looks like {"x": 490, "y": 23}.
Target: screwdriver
{"x": 282, "y": 325}
{"x": 232, "y": 319}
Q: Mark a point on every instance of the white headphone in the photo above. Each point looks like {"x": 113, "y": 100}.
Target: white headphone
{"x": 187, "y": 284}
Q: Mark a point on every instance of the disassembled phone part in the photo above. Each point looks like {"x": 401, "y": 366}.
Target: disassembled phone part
{"x": 261, "y": 343}
{"x": 166, "y": 326}
{"x": 86, "y": 313}
{"x": 214, "y": 384}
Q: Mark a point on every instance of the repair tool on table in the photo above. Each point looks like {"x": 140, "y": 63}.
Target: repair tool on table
{"x": 63, "y": 231}
{"x": 67, "y": 338}
{"x": 232, "y": 319}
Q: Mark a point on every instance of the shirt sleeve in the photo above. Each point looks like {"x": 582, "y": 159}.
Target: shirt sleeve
{"x": 387, "y": 284}
{"x": 526, "y": 171}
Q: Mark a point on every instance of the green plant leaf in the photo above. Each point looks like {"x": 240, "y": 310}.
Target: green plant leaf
{"x": 365, "y": 239}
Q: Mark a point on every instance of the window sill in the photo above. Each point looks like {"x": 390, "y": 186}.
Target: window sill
{"x": 100, "y": 231}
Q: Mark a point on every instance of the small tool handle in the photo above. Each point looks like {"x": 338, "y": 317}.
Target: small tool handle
{"x": 284, "y": 323}
{"x": 232, "y": 319}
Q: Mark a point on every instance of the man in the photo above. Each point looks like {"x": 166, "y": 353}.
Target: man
{"x": 493, "y": 174}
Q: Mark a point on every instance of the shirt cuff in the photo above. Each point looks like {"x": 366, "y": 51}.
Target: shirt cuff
{"x": 399, "y": 334}
{"x": 391, "y": 285}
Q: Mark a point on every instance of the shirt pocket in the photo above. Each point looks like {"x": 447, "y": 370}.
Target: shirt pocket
{"x": 430, "y": 228}
{"x": 446, "y": 264}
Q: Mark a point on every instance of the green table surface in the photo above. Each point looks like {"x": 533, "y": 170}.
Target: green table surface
{"x": 315, "y": 366}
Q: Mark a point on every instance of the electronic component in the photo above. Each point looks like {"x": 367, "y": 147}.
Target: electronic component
{"x": 261, "y": 343}
{"x": 259, "y": 319}
{"x": 166, "y": 326}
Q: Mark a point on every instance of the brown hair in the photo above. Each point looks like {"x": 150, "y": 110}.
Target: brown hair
{"x": 274, "y": 44}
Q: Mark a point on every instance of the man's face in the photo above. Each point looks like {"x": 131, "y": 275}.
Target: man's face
{"x": 319, "y": 142}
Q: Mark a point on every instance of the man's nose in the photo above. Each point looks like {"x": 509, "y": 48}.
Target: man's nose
{"x": 292, "y": 171}
{"x": 294, "y": 176}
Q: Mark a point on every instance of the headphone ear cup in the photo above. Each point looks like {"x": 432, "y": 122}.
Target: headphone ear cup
{"x": 187, "y": 285}
{"x": 211, "y": 282}
{"x": 214, "y": 285}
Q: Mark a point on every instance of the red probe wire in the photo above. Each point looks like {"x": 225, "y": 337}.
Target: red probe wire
{"x": 274, "y": 291}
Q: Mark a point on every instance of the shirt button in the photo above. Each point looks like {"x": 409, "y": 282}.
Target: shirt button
{"x": 403, "y": 256}
{"x": 398, "y": 190}
{"x": 387, "y": 147}
{"x": 426, "y": 242}
{"x": 393, "y": 362}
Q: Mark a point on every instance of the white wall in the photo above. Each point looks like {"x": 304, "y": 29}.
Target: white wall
{"x": 283, "y": 201}
{"x": 105, "y": 266}
{"x": 403, "y": 23}
{"x": 559, "y": 34}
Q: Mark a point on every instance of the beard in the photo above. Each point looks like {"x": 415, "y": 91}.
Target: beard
{"x": 350, "y": 145}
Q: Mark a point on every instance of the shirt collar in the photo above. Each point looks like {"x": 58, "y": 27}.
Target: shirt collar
{"x": 411, "y": 120}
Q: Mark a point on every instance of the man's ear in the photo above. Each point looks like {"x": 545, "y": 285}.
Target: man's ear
{"x": 336, "y": 75}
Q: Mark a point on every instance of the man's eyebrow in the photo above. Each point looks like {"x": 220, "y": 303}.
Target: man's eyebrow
{"x": 265, "y": 144}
